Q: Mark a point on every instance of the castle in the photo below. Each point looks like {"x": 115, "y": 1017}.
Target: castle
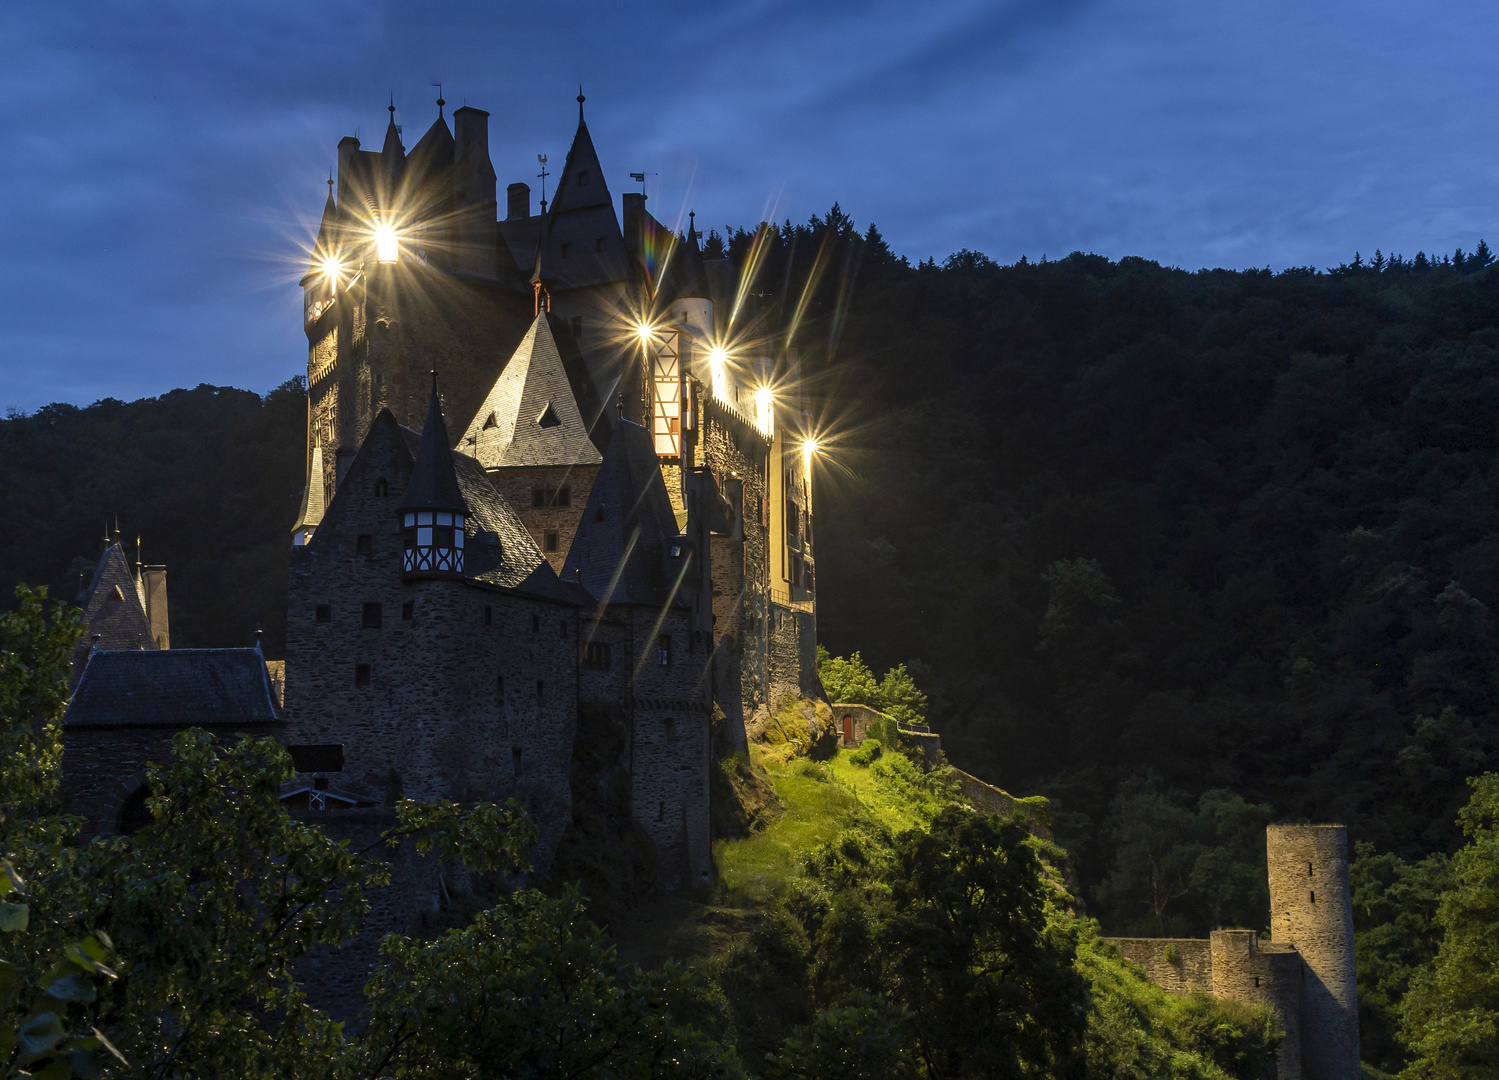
{"x": 556, "y": 460}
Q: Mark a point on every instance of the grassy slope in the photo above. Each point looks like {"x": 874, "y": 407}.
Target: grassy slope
{"x": 1136, "y": 1029}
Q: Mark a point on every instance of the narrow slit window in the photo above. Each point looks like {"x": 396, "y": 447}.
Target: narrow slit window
{"x": 663, "y": 650}
{"x": 515, "y": 759}
{"x": 408, "y": 610}
{"x": 535, "y": 624}
{"x": 363, "y": 544}
{"x": 361, "y": 675}
{"x": 372, "y": 617}
{"x": 488, "y": 615}
{"x": 322, "y": 613}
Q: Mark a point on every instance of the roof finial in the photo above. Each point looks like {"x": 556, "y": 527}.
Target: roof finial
{"x": 434, "y": 382}
{"x": 440, "y": 101}
{"x": 619, "y": 404}
{"x": 330, "y": 182}
{"x": 581, "y": 99}
{"x": 392, "y": 106}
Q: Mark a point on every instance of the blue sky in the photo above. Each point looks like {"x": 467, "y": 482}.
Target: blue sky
{"x": 164, "y": 163}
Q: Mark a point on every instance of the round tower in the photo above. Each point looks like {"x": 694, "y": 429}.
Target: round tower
{"x": 1312, "y": 909}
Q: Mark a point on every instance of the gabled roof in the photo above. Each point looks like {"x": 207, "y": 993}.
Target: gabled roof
{"x": 173, "y": 688}
{"x": 112, "y": 606}
{"x": 530, "y": 416}
{"x": 433, "y": 485}
{"x": 497, "y": 548}
{"x": 434, "y": 150}
{"x": 622, "y": 551}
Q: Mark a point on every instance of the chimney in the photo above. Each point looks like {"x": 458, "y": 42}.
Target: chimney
{"x": 517, "y": 201}
{"x": 473, "y": 186}
{"x": 634, "y": 220}
{"x": 155, "y": 579}
{"x": 348, "y": 154}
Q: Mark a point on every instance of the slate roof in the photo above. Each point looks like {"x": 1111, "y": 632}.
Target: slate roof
{"x": 621, "y": 552}
{"x": 312, "y": 495}
{"x": 433, "y": 485}
{"x": 172, "y": 688}
{"x": 530, "y": 416}
{"x": 112, "y": 605}
{"x": 433, "y": 151}
{"x": 497, "y": 548}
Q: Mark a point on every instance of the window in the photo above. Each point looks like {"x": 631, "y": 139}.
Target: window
{"x": 598, "y": 245}
{"x": 491, "y": 421}
{"x": 808, "y": 519}
{"x": 535, "y": 624}
{"x": 791, "y": 516}
{"x": 382, "y": 487}
{"x": 372, "y": 617}
{"x": 663, "y": 649}
{"x": 551, "y": 496}
{"x": 488, "y": 615}
{"x": 582, "y": 177}
{"x": 763, "y": 519}
{"x": 549, "y": 541}
{"x": 117, "y": 597}
{"x": 564, "y": 628}
{"x": 408, "y": 610}
{"x": 515, "y": 759}
{"x": 541, "y": 690}
{"x": 564, "y": 250}
{"x": 361, "y": 675}
{"x": 322, "y": 613}
{"x": 363, "y": 544}
{"x": 660, "y": 811}
{"x": 499, "y": 687}
{"x": 596, "y": 655}
{"x": 433, "y": 541}
{"x": 549, "y": 417}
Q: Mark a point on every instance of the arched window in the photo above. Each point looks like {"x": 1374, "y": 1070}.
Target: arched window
{"x": 134, "y": 814}
{"x": 382, "y": 487}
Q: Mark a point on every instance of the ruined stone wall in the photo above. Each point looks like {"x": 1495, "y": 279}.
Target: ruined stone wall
{"x": 1178, "y": 965}
{"x": 472, "y": 690}
{"x": 1269, "y": 973}
{"x": 1312, "y": 909}
{"x": 519, "y": 486}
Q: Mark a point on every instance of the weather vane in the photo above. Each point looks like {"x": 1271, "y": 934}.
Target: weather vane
{"x": 543, "y": 174}
{"x": 639, "y": 177}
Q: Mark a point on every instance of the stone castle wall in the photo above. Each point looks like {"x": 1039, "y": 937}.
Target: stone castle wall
{"x": 519, "y": 486}
{"x": 473, "y": 696}
{"x": 1312, "y": 908}
{"x": 1178, "y": 965}
{"x": 1267, "y": 973}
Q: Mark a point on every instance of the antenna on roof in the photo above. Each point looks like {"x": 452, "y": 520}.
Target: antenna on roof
{"x": 542, "y": 158}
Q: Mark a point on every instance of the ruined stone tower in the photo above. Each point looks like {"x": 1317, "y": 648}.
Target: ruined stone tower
{"x": 1311, "y": 907}
{"x": 1304, "y": 973}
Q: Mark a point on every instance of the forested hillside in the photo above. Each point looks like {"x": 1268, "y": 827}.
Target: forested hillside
{"x": 209, "y": 479}
{"x": 1143, "y": 535}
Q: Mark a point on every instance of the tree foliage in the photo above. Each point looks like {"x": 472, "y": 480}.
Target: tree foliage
{"x": 1451, "y": 1012}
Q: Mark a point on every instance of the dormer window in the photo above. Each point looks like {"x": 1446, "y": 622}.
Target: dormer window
{"x": 433, "y": 541}
{"x": 549, "y": 417}
{"x": 490, "y": 421}
{"x": 582, "y": 177}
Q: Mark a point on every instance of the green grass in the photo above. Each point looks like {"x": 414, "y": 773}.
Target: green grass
{"x": 819, "y": 799}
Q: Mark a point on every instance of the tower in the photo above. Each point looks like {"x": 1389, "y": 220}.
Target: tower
{"x": 1311, "y": 908}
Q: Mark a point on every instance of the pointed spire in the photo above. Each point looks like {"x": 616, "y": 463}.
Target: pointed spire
{"x": 434, "y": 483}
{"x": 311, "y": 515}
{"x": 530, "y": 416}
{"x": 392, "y": 154}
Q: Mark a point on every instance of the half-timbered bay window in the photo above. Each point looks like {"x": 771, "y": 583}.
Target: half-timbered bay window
{"x": 433, "y": 541}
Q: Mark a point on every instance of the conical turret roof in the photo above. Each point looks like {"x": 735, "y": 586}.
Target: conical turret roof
{"x": 433, "y": 484}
